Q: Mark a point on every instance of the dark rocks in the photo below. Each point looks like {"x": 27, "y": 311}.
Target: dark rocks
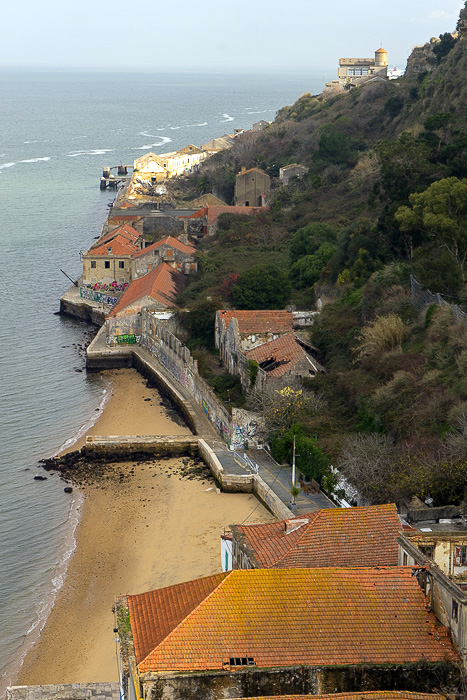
{"x": 40, "y": 477}
{"x": 68, "y": 489}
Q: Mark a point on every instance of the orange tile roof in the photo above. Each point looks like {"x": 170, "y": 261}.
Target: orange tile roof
{"x": 362, "y": 695}
{"x": 118, "y": 245}
{"x": 291, "y": 617}
{"x": 170, "y": 241}
{"x": 124, "y": 230}
{"x": 364, "y": 536}
{"x": 258, "y": 321}
{"x": 284, "y": 350}
{"x": 163, "y": 284}
{"x": 159, "y": 612}
{"x": 127, "y": 205}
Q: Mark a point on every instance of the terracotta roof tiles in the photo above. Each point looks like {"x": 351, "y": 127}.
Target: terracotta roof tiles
{"x": 163, "y": 284}
{"x": 332, "y": 537}
{"x": 169, "y": 241}
{"x": 285, "y": 352}
{"x": 259, "y": 321}
{"x": 289, "y": 617}
{"x": 118, "y": 245}
{"x": 124, "y": 231}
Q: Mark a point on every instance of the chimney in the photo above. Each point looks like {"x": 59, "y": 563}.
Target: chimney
{"x": 183, "y": 237}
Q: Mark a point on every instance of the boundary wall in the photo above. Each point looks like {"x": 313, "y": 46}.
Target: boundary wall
{"x": 146, "y": 330}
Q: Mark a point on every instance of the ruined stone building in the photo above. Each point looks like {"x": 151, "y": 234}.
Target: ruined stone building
{"x": 250, "y": 185}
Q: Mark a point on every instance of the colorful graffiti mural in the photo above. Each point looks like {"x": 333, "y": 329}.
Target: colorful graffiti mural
{"x": 100, "y": 297}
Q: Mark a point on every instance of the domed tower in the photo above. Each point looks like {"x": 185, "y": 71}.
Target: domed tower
{"x": 381, "y": 58}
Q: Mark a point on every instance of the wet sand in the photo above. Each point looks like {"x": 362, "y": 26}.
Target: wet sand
{"x": 157, "y": 528}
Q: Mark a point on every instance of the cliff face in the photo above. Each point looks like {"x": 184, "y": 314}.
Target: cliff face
{"x": 462, "y": 23}
{"x": 422, "y": 59}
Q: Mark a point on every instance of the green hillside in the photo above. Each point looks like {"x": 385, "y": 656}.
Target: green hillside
{"x": 384, "y": 197}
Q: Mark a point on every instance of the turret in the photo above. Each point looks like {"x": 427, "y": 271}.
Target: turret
{"x": 381, "y": 58}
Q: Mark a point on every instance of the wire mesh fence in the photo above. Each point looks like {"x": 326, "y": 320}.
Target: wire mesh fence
{"x": 422, "y": 298}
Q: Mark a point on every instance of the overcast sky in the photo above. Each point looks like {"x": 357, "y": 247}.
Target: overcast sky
{"x": 244, "y": 34}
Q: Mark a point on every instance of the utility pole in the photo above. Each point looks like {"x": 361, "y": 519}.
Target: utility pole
{"x": 293, "y": 471}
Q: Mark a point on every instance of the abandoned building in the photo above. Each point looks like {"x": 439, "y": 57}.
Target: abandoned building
{"x": 281, "y": 359}
{"x": 436, "y": 538}
{"x": 109, "y": 259}
{"x": 289, "y": 171}
{"x": 284, "y": 631}
{"x": 177, "y": 253}
{"x": 157, "y": 289}
{"x": 267, "y": 339}
{"x": 328, "y": 537}
{"x": 249, "y": 186}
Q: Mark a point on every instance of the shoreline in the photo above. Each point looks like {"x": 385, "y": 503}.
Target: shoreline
{"x": 150, "y": 524}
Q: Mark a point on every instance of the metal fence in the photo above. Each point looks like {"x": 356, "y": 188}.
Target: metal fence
{"x": 422, "y": 298}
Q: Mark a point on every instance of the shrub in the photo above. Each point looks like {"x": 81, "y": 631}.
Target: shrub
{"x": 262, "y": 287}
{"x": 385, "y": 333}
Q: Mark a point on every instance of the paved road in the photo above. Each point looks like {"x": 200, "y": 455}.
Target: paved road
{"x": 279, "y": 479}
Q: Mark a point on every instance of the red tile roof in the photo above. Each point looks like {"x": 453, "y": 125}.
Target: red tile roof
{"x": 289, "y": 617}
{"x": 127, "y": 205}
{"x": 258, "y": 321}
{"x": 158, "y": 612}
{"x": 118, "y": 245}
{"x": 285, "y": 351}
{"x": 363, "y": 536}
{"x": 124, "y": 231}
{"x": 163, "y": 284}
{"x": 169, "y": 241}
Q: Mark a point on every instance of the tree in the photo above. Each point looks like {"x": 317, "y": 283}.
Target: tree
{"x": 282, "y": 408}
{"x": 307, "y": 240}
{"x": 262, "y": 287}
{"x": 444, "y": 46}
{"x": 306, "y": 271}
{"x": 199, "y": 322}
{"x": 365, "y": 461}
{"x": 440, "y": 212}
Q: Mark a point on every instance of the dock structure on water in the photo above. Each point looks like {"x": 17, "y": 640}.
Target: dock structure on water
{"x": 108, "y": 180}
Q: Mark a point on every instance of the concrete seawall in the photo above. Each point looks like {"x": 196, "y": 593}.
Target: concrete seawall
{"x": 128, "y": 447}
{"x": 205, "y": 441}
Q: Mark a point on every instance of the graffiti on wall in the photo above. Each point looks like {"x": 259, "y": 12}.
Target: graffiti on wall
{"x": 128, "y": 339}
{"x": 244, "y": 428}
{"x": 100, "y": 297}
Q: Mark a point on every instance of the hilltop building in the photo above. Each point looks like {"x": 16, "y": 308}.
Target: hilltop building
{"x": 354, "y": 70}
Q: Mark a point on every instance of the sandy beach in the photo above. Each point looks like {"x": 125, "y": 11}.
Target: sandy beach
{"x": 154, "y": 529}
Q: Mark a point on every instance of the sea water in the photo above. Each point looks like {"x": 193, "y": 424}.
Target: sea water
{"x": 57, "y": 131}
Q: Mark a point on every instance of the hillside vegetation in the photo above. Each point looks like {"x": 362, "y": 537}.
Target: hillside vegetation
{"x": 384, "y": 197}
